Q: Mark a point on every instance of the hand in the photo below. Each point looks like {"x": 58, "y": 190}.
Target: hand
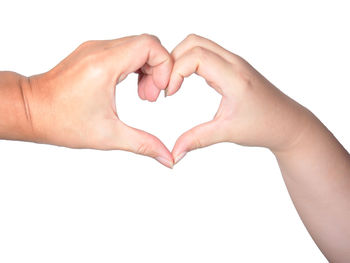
{"x": 73, "y": 104}
{"x": 252, "y": 111}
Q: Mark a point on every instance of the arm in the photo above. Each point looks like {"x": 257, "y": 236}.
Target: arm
{"x": 73, "y": 104}
{"x": 316, "y": 170}
{"x": 252, "y": 112}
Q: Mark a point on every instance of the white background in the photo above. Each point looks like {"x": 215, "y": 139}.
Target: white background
{"x": 225, "y": 203}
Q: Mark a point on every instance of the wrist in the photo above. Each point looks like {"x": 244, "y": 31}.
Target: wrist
{"x": 289, "y": 122}
{"x": 38, "y": 100}
{"x": 15, "y": 113}
{"x": 25, "y": 89}
{"x": 303, "y": 136}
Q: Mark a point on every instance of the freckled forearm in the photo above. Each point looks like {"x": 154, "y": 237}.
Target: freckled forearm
{"x": 15, "y": 115}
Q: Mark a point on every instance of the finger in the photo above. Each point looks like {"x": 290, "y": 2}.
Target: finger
{"x": 147, "y": 89}
{"x": 200, "y": 136}
{"x": 141, "y": 86}
{"x": 212, "y": 67}
{"x": 142, "y": 50}
{"x": 141, "y": 142}
{"x": 193, "y": 40}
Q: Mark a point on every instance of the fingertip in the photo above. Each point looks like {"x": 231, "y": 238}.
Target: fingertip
{"x": 163, "y": 155}
{"x": 147, "y": 89}
{"x": 153, "y": 95}
{"x": 144, "y": 143}
{"x": 179, "y": 157}
{"x": 200, "y": 136}
{"x": 174, "y": 84}
{"x": 180, "y": 148}
{"x": 165, "y": 161}
{"x": 151, "y": 90}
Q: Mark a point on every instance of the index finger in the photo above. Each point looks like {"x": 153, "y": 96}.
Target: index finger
{"x": 212, "y": 67}
{"x": 138, "y": 51}
{"x": 193, "y": 40}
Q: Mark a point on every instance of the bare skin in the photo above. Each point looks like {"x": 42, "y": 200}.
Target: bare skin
{"x": 73, "y": 105}
{"x": 314, "y": 165}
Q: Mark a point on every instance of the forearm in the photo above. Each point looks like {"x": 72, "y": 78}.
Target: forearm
{"x": 316, "y": 170}
{"x": 15, "y": 116}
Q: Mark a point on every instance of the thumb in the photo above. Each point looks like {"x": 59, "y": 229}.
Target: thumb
{"x": 200, "y": 136}
{"x": 140, "y": 142}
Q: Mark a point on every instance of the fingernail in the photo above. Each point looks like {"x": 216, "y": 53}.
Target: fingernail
{"x": 168, "y": 163}
{"x": 166, "y": 92}
{"x": 179, "y": 157}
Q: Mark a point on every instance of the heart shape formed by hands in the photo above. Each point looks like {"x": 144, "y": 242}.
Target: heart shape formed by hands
{"x": 193, "y": 55}
{"x": 73, "y": 104}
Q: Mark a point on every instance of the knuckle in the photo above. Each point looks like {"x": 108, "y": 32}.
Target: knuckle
{"x": 93, "y": 66}
{"x": 143, "y": 149}
{"x": 198, "y": 143}
{"x": 243, "y": 76}
{"x": 90, "y": 56}
{"x": 149, "y": 39}
{"x": 199, "y": 52}
{"x": 245, "y": 79}
{"x": 192, "y": 37}
{"x": 87, "y": 44}
{"x": 235, "y": 59}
